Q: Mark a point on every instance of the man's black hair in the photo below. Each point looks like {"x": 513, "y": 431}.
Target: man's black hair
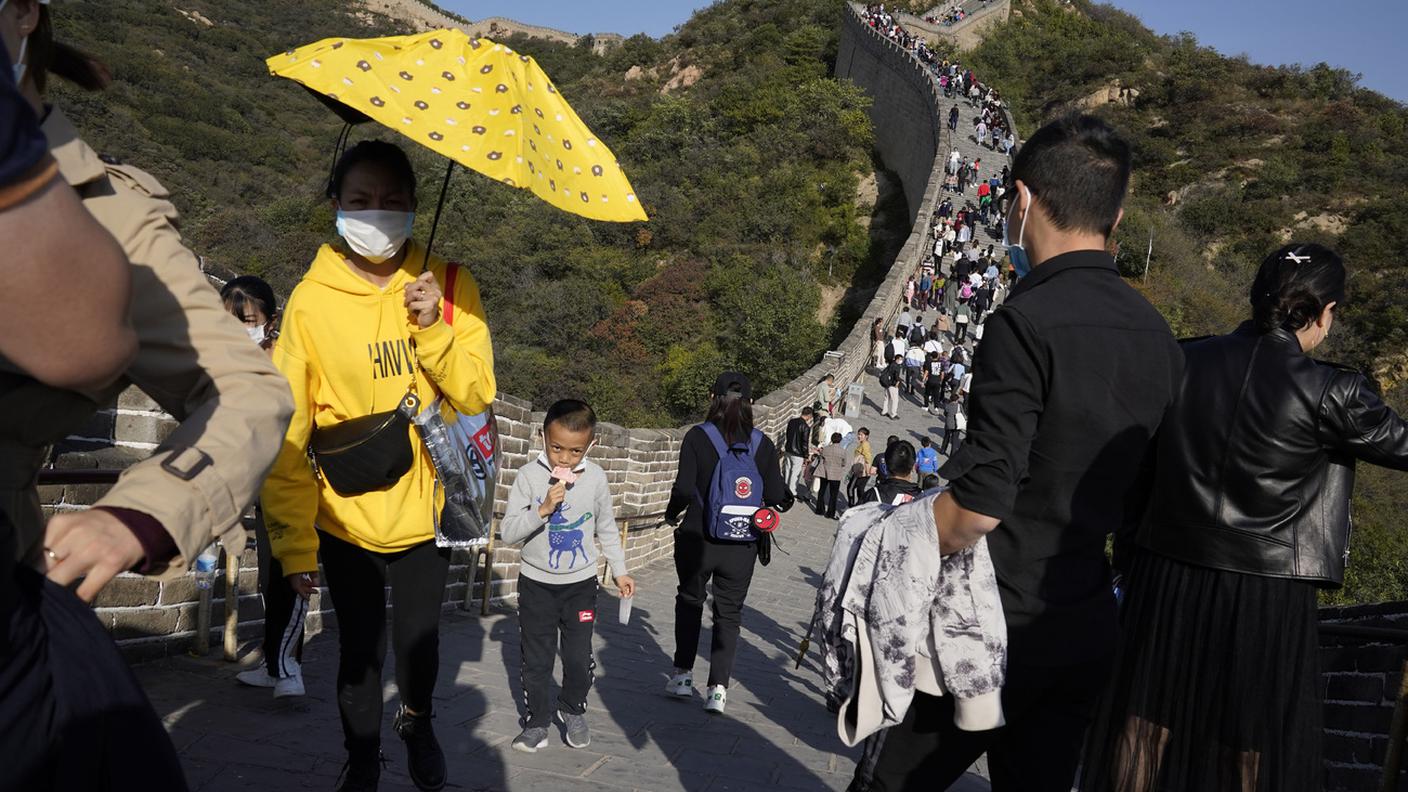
{"x": 836, "y": 437}
{"x": 386, "y": 154}
{"x": 574, "y": 415}
{"x": 806, "y": 411}
{"x": 1078, "y": 167}
{"x": 899, "y": 458}
{"x": 924, "y": 441}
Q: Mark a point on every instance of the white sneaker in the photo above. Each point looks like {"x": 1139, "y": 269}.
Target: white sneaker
{"x": 289, "y": 686}
{"x": 714, "y": 700}
{"x": 283, "y": 688}
{"x": 681, "y": 684}
{"x": 256, "y": 677}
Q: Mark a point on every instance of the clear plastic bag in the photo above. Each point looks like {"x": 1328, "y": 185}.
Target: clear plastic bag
{"x": 464, "y": 450}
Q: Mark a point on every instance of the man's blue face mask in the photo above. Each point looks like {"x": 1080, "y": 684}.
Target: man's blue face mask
{"x": 1020, "y": 261}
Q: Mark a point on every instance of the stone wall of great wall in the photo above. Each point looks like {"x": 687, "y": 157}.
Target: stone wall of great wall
{"x": 150, "y": 617}
{"x": 1361, "y": 675}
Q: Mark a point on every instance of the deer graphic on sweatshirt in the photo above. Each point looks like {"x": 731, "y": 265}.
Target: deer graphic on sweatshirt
{"x": 565, "y": 537}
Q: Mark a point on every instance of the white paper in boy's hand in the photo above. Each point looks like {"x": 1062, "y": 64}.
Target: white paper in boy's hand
{"x": 626, "y": 609}
{"x": 564, "y": 474}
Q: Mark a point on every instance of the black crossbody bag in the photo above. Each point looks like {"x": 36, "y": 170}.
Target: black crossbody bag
{"x": 368, "y": 453}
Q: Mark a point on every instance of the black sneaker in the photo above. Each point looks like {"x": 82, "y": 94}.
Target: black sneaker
{"x": 361, "y": 774}
{"x": 424, "y": 758}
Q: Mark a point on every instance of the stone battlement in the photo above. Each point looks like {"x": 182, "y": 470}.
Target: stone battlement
{"x": 150, "y": 617}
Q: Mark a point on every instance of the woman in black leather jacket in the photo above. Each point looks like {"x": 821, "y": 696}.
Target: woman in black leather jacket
{"x": 1216, "y": 684}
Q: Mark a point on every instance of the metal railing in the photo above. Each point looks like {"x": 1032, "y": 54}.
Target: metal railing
{"x": 484, "y": 554}
{"x": 1398, "y": 728}
{"x": 60, "y": 477}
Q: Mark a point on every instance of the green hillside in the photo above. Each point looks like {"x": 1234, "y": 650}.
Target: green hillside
{"x": 748, "y": 168}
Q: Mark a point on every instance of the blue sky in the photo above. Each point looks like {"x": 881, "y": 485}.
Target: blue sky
{"x": 1363, "y": 36}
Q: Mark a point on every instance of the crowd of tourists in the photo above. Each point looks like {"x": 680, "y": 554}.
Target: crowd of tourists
{"x": 991, "y": 127}
{"x": 1001, "y": 625}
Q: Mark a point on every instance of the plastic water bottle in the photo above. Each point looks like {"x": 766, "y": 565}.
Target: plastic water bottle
{"x": 625, "y": 614}
{"x": 205, "y": 568}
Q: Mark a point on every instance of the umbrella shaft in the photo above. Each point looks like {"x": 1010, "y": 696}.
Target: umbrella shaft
{"x": 434, "y": 224}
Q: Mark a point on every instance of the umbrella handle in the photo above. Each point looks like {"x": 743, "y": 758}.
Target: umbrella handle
{"x": 435, "y": 224}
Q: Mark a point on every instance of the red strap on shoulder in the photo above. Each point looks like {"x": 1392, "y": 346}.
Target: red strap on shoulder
{"x": 451, "y": 270}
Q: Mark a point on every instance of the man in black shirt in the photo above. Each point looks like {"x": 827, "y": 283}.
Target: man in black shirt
{"x": 1074, "y": 374}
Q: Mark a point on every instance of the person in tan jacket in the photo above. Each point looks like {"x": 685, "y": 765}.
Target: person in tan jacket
{"x": 832, "y": 470}
{"x": 77, "y": 719}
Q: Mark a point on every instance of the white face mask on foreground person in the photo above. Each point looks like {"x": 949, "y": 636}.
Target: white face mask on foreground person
{"x": 375, "y": 234}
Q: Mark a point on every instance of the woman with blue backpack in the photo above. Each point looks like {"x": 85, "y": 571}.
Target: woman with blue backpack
{"x": 728, "y": 474}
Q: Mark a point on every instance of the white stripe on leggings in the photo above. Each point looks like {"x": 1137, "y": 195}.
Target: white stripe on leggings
{"x": 293, "y": 632}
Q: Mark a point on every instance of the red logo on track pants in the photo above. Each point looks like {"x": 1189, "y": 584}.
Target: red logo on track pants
{"x": 586, "y": 616}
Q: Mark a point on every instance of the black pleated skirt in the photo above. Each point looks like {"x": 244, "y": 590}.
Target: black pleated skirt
{"x": 1216, "y": 686}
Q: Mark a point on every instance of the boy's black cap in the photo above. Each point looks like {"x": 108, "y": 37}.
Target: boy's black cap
{"x": 733, "y": 382}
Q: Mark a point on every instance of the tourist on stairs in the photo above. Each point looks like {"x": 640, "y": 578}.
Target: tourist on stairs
{"x": 101, "y": 295}
{"x": 1217, "y": 685}
{"x": 251, "y": 300}
{"x": 713, "y": 540}
{"x": 1075, "y": 373}
{"x": 363, "y": 336}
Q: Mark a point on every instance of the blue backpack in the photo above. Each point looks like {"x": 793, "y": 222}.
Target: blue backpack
{"x": 736, "y": 490}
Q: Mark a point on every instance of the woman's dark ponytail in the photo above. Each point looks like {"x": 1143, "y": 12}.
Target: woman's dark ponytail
{"x": 733, "y": 414}
{"x": 1293, "y": 286}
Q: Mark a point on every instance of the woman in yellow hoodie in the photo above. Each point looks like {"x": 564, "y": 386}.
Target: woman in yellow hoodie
{"x": 362, "y": 329}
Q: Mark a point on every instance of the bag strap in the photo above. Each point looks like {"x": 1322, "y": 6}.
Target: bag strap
{"x": 451, "y": 271}
{"x": 715, "y": 437}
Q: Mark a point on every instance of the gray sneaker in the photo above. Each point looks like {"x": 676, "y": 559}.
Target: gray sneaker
{"x": 531, "y": 739}
{"x": 578, "y": 735}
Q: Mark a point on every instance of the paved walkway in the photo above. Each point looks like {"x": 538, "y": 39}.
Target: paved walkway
{"x": 777, "y": 734}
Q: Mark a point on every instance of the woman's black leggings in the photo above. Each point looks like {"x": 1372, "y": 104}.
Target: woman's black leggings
{"x": 356, "y": 580}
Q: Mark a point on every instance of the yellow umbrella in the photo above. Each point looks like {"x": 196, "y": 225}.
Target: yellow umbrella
{"x": 477, "y": 102}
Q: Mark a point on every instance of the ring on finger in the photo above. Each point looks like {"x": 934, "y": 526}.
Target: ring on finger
{"x": 52, "y": 555}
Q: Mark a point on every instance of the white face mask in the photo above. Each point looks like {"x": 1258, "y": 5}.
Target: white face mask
{"x": 256, "y": 334}
{"x": 375, "y": 234}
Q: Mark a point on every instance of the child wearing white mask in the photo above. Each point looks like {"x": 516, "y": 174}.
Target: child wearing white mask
{"x": 251, "y": 300}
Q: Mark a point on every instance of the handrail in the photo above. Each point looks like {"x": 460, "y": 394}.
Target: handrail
{"x": 60, "y": 477}
{"x": 1392, "y": 634}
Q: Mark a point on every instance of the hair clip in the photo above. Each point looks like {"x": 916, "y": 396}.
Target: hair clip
{"x": 1296, "y": 259}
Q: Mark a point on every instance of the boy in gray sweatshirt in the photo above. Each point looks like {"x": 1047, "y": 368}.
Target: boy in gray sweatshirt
{"x": 559, "y": 503}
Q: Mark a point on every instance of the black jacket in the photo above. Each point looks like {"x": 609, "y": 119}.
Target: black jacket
{"x": 890, "y": 490}
{"x": 797, "y": 440}
{"x": 696, "y": 471}
{"x": 1255, "y": 461}
{"x": 1075, "y": 372}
